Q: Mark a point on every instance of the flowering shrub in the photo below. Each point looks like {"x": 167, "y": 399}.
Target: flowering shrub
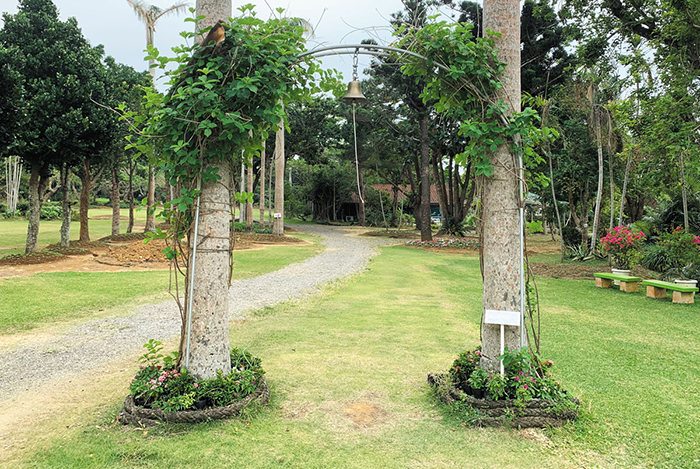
{"x": 624, "y": 246}
{"x": 457, "y": 243}
{"x": 681, "y": 248}
{"x": 169, "y": 389}
{"x": 463, "y": 367}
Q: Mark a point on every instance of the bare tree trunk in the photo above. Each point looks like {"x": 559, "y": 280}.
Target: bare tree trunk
{"x": 362, "y": 213}
{"x": 269, "y": 194}
{"x": 13, "y": 177}
{"x": 85, "y": 200}
{"x": 684, "y": 193}
{"x": 599, "y": 193}
{"x": 132, "y": 168}
{"x": 278, "y": 223}
{"x": 242, "y": 214}
{"x": 65, "y": 222}
{"x": 624, "y": 189}
{"x": 612, "y": 191}
{"x": 556, "y": 205}
{"x": 501, "y": 200}
{"x": 151, "y": 201}
{"x": 262, "y": 186}
{"x": 38, "y": 179}
{"x": 426, "y": 232}
{"x": 249, "y": 204}
{"x": 115, "y": 201}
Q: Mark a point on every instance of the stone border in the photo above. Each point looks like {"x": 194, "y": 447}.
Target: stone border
{"x": 135, "y": 415}
{"x": 537, "y": 413}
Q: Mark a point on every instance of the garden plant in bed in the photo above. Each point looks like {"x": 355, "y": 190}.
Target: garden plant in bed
{"x": 525, "y": 395}
{"x": 162, "y": 392}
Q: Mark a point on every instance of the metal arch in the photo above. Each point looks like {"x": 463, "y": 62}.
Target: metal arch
{"x": 357, "y": 49}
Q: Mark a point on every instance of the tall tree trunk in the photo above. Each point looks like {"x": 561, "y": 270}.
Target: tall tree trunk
{"x": 585, "y": 199}
{"x": 684, "y": 193}
{"x": 65, "y": 222}
{"x": 249, "y": 204}
{"x": 242, "y": 214}
{"x": 209, "y": 349}
{"x": 426, "y": 232}
{"x": 270, "y": 194}
{"x": 262, "y": 186}
{"x": 612, "y": 190}
{"x": 599, "y": 193}
{"x": 278, "y": 223}
{"x": 115, "y": 201}
{"x": 38, "y": 179}
{"x": 624, "y": 188}
{"x": 501, "y": 221}
{"x": 151, "y": 201}
{"x": 85, "y": 190}
{"x": 556, "y": 205}
{"x": 132, "y": 169}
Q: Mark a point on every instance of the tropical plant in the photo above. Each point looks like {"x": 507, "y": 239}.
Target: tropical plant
{"x": 623, "y": 246}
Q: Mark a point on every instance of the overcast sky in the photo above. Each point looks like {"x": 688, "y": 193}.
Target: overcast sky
{"x": 114, "y": 24}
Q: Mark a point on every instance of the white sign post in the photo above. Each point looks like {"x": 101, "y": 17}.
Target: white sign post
{"x": 503, "y": 318}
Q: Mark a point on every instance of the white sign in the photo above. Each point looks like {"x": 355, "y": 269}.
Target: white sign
{"x": 278, "y": 215}
{"x": 506, "y": 318}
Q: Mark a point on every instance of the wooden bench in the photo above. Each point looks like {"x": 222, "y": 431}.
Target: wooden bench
{"x": 681, "y": 293}
{"x": 627, "y": 284}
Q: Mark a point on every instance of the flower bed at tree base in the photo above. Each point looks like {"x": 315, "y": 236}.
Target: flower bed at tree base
{"x": 136, "y": 415}
{"x": 535, "y": 413}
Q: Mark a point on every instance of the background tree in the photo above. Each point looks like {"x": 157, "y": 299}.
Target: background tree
{"x": 149, "y": 15}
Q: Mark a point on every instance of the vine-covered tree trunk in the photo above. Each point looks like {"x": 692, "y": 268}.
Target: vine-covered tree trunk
{"x": 426, "y": 233}
{"x": 65, "y": 222}
{"x": 278, "y": 222}
{"x": 501, "y": 223}
{"x": 150, "y": 201}
{"x": 85, "y": 200}
{"x": 115, "y": 200}
{"x": 209, "y": 349}
{"x": 599, "y": 193}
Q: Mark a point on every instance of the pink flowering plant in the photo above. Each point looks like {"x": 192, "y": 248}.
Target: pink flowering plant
{"x": 623, "y": 246}
{"x": 681, "y": 248}
{"x": 159, "y": 384}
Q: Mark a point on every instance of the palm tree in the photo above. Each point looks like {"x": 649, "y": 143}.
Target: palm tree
{"x": 149, "y": 15}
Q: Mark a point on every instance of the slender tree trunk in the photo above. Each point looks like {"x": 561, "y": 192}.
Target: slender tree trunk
{"x": 38, "y": 180}
{"x": 270, "y": 194}
{"x": 599, "y": 193}
{"x": 115, "y": 201}
{"x": 242, "y": 214}
{"x": 362, "y": 213}
{"x": 65, "y": 222}
{"x": 585, "y": 199}
{"x": 249, "y": 204}
{"x": 501, "y": 200}
{"x": 132, "y": 169}
{"x": 262, "y": 186}
{"x": 209, "y": 349}
{"x": 86, "y": 180}
{"x": 426, "y": 232}
{"x": 684, "y": 193}
{"x": 278, "y": 223}
{"x": 13, "y": 178}
{"x": 612, "y": 191}
{"x": 151, "y": 201}
{"x": 624, "y": 188}
{"x": 556, "y": 205}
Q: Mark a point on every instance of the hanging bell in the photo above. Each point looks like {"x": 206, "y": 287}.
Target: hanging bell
{"x": 354, "y": 94}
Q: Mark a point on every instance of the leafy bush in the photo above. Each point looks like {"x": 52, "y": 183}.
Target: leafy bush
{"x": 463, "y": 367}
{"x": 571, "y": 235}
{"x": 102, "y": 202}
{"x": 655, "y": 257}
{"x": 672, "y": 215}
{"x": 51, "y": 211}
{"x": 160, "y": 385}
{"x": 23, "y": 207}
{"x": 3, "y": 208}
{"x": 681, "y": 248}
{"x": 623, "y": 245}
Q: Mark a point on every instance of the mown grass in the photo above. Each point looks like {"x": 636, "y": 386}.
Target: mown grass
{"x": 29, "y": 302}
{"x": 348, "y": 369}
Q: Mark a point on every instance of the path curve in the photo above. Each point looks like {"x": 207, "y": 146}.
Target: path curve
{"x": 91, "y": 345}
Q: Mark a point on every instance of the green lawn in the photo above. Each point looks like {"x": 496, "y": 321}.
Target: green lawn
{"x": 347, "y": 371}
{"x": 29, "y": 302}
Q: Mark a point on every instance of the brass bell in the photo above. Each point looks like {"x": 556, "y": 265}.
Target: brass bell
{"x": 354, "y": 94}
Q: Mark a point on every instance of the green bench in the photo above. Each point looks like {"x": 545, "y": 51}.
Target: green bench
{"x": 627, "y": 284}
{"x": 681, "y": 293}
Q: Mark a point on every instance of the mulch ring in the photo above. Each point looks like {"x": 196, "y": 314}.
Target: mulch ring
{"x": 261, "y": 238}
{"x": 536, "y": 413}
{"x": 124, "y": 237}
{"x": 141, "y": 416}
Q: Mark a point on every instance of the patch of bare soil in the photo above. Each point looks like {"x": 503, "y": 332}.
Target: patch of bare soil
{"x": 365, "y": 414}
{"x": 125, "y": 252}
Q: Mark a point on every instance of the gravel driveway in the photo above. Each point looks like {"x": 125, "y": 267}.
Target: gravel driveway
{"x": 95, "y": 343}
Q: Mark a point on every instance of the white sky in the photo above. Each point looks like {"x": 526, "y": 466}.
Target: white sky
{"x": 113, "y": 24}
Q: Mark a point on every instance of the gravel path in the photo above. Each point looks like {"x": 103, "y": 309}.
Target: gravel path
{"x": 95, "y": 343}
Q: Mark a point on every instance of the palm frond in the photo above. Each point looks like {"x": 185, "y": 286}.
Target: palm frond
{"x": 174, "y": 9}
